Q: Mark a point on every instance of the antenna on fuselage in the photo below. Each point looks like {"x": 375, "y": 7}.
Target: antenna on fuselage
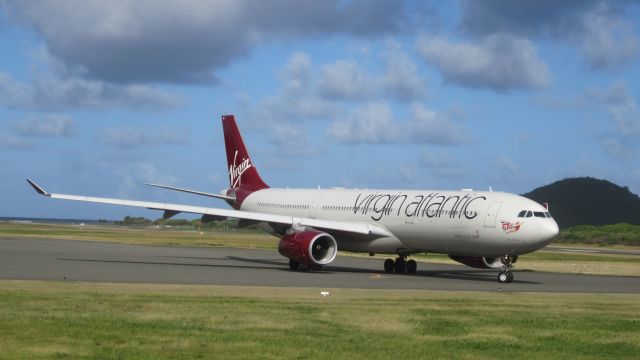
{"x": 490, "y": 189}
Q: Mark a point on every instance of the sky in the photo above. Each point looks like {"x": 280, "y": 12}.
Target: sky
{"x": 99, "y": 97}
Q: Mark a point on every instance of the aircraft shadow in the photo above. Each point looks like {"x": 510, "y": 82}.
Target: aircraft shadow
{"x": 165, "y": 263}
{"x": 462, "y": 274}
{"x": 281, "y": 265}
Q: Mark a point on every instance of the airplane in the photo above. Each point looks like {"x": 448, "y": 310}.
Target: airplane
{"x": 481, "y": 229}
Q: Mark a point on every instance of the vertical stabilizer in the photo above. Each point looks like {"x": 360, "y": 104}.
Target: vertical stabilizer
{"x": 242, "y": 172}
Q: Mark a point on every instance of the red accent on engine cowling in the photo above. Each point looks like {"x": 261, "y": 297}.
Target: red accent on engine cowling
{"x": 300, "y": 247}
{"x": 478, "y": 262}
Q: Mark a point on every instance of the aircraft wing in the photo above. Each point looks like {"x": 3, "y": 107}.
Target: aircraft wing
{"x": 373, "y": 230}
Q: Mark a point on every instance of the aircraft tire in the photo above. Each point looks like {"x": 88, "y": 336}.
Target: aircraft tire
{"x": 505, "y": 277}
{"x": 388, "y": 265}
{"x": 293, "y": 265}
{"x": 412, "y": 266}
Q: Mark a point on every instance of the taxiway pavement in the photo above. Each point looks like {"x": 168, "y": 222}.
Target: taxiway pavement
{"x": 69, "y": 260}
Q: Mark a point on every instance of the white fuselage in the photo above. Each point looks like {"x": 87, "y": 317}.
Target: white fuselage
{"x": 465, "y": 223}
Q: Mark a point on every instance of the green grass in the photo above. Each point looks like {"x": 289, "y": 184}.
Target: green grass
{"x": 149, "y": 235}
{"x": 63, "y": 320}
{"x": 618, "y": 234}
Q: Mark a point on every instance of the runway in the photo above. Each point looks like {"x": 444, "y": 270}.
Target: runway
{"x": 69, "y": 260}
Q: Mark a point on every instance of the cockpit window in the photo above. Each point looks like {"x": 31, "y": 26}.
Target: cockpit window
{"x": 529, "y": 213}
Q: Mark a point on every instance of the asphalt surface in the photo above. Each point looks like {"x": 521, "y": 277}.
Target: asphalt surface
{"x": 68, "y": 260}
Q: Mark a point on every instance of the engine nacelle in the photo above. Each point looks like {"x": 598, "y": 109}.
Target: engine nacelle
{"x": 479, "y": 262}
{"x": 309, "y": 247}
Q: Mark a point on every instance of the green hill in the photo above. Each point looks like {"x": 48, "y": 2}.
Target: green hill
{"x": 588, "y": 201}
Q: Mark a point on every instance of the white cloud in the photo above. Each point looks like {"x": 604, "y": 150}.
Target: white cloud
{"x": 614, "y": 94}
{"x": 620, "y": 105}
{"x": 500, "y": 62}
{"x": 373, "y": 123}
{"x": 132, "y": 175}
{"x": 53, "y": 93}
{"x": 441, "y": 165}
{"x": 506, "y": 169}
{"x": 601, "y": 31}
{"x": 608, "y": 41}
{"x": 130, "y": 137}
{"x": 296, "y": 73}
{"x": 430, "y": 127}
{"x": 344, "y": 80}
{"x": 303, "y": 95}
{"x": 400, "y": 79}
{"x": 45, "y": 125}
{"x": 279, "y": 116}
{"x": 10, "y": 141}
{"x": 615, "y": 147}
{"x": 297, "y": 98}
{"x": 614, "y": 105}
{"x": 137, "y": 41}
{"x": 14, "y": 93}
{"x": 627, "y": 118}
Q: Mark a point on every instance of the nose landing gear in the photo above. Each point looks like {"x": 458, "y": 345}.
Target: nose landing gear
{"x": 505, "y": 275}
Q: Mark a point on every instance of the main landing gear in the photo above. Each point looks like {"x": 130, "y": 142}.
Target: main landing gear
{"x": 505, "y": 275}
{"x": 400, "y": 265}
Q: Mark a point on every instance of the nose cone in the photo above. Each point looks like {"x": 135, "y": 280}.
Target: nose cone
{"x": 547, "y": 231}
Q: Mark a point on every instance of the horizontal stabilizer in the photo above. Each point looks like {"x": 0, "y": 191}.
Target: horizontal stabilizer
{"x": 218, "y": 196}
{"x": 209, "y": 218}
{"x": 168, "y": 214}
{"x": 245, "y": 223}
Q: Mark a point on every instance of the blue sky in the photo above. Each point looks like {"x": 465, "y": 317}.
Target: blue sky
{"x": 99, "y": 97}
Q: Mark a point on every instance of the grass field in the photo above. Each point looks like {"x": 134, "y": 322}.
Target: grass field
{"x": 149, "y": 236}
{"x": 106, "y": 321}
{"x": 584, "y": 263}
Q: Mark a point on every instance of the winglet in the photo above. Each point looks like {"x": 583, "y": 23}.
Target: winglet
{"x": 37, "y": 188}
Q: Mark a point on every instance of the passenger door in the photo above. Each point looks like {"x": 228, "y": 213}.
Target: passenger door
{"x": 492, "y": 214}
{"x": 313, "y": 209}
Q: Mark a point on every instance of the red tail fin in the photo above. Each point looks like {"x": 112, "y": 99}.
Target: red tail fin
{"x": 241, "y": 169}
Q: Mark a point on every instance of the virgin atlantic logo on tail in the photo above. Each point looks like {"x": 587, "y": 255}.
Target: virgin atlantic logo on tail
{"x": 236, "y": 170}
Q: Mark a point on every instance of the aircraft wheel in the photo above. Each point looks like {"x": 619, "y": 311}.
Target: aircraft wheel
{"x": 400, "y": 266}
{"x": 388, "y": 265}
{"x": 505, "y": 277}
{"x": 412, "y": 266}
{"x": 293, "y": 265}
